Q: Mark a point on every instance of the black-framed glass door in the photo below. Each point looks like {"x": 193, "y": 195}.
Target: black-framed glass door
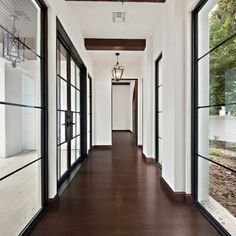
{"x": 23, "y": 114}
{"x": 158, "y": 110}
{"x": 68, "y": 112}
{"x": 214, "y": 112}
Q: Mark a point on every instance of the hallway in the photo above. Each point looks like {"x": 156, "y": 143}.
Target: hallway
{"x": 117, "y": 193}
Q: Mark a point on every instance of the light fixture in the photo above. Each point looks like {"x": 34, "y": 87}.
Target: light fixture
{"x": 117, "y": 70}
{"x": 13, "y": 49}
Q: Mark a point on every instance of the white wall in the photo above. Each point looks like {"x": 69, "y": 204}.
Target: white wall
{"x": 67, "y": 15}
{"x": 173, "y": 38}
{"x": 102, "y": 98}
{"x": 122, "y": 107}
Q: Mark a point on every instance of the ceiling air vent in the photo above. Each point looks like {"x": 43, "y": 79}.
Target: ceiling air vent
{"x": 118, "y": 16}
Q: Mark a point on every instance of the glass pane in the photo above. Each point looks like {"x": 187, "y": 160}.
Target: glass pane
{"x": 20, "y": 199}
{"x": 73, "y": 151}
{"x": 77, "y": 124}
{"x": 63, "y": 158}
{"x": 217, "y": 76}
{"x": 216, "y": 192}
{"x": 24, "y": 16}
{"x": 77, "y": 77}
{"x": 21, "y": 83}
{"x": 77, "y": 101}
{"x": 73, "y": 75}
{"x": 63, "y": 95}
{"x": 77, "y": 143}
{"x": 216, "y": 23}
{"x": 61, "y": 127}
{"x": 74, "y": 124}
{"x": 217, "y": 137}
{"x": 160, "y": 125}
{"x": 73, "y": 99}
{"x": 58, "y": 57}
{"x": 63, "y": 62}
{"x": 63, "y": 133}
{"x": 20, "y": 141}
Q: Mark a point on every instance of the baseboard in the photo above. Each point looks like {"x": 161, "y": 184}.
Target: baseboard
{"x": 127, "y": 130}
{"x": 102, "y": 147}
{"x": 178, "y": 197}
{"x": 53, "y": 203}
{"x": 148, "y": 160}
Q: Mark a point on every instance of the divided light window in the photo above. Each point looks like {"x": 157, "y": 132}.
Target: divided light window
{"x": 215, "y": 111}
{"x": 22, "y": 113}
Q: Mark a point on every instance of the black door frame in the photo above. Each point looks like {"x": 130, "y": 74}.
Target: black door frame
{"x": 157, "y": 86}
{"x": 72, "y": 53}
{"x": 194, "y": 121}
{"x": 91, "y": 111}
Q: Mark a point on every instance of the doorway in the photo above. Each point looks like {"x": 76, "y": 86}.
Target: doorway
{"x": 125, "y": 107}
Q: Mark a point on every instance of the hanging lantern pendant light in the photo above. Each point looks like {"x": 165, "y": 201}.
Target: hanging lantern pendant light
{"x": 13, "y": 49}
{"x": 117, "y": 70}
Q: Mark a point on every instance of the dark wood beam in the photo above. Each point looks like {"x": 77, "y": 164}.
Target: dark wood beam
{"x": 115, "y": 44}
{"x": 142, "y": 1}
{"x": 121, "y": 83}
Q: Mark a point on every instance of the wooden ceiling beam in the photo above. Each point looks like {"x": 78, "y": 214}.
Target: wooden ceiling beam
{"x": 115, "y": 44}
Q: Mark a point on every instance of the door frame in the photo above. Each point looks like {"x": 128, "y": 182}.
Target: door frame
{"x": 157, "y": 86}
{"x": 64, "y": 39}
{"x": 123, "y": 81}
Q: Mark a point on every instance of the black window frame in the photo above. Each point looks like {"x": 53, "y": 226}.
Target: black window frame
{"x": 157, "y": 109}
{"x": 44, "y": 115}
{"x": 194, "y": 117}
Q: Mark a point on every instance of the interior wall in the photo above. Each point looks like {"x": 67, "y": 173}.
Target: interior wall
{"x": 121, "y": 107}
{"x": 66, "y": 14}
{"x": 170, "y": 39}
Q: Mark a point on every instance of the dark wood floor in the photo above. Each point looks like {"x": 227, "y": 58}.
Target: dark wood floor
{"x": 117, "y": 194}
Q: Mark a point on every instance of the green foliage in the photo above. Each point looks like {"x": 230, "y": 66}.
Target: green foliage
{"x": 223, "y": 59}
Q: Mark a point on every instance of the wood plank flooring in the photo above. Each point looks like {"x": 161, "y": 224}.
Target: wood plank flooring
{"x": 116, "y": 193}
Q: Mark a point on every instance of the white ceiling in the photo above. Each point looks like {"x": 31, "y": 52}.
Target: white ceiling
{"x": 96, "y": 22}
{"x": 96, "y": 19}
{"x": 125, "y": 56}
